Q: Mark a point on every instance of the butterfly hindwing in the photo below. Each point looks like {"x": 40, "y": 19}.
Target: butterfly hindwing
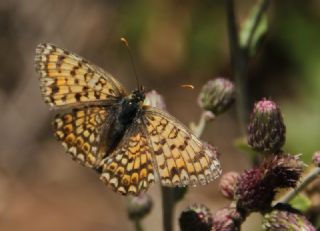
{"x": 68, "y": 79}
{"x": 80, "y": 133}
{"x": 129, "y": 169}
{"x": 181, "y": 158}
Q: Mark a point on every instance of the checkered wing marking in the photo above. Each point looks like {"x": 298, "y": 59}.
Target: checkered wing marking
{"x": 129, "y": 169}
{"x": 79, "y": 131}
{"x": 181, "y": 158}
{"x": 68, "y": 79}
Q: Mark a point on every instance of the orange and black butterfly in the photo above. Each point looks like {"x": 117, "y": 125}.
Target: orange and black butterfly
{"x": 128, "y": 143}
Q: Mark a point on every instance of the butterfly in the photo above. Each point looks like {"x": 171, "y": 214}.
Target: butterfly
{"x": 128, "y": 143}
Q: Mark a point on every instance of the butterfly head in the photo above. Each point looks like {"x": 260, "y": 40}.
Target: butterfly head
{"x": 138, "y": 95}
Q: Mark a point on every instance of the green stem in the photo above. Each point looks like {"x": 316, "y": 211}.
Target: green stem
{"x": 240, "y": 57}
{"x": 315, "y": 173}
{"x": 263, "y": 6}
{"x": 204, "y": 120}
{"x": 137, "y": 224}
{"x": 238, "y": 63}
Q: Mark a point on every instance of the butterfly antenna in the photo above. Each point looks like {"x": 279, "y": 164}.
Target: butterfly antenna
{"x": 126, "y": 44}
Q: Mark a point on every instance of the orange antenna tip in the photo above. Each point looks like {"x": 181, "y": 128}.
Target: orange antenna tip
{"x": 125, "y": 42}
{"x": 190, "y": 86}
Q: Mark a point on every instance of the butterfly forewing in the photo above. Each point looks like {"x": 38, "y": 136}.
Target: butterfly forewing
{"x": 80, "y": 133}
{"x": 129, "y": 169}
{"x": 67, "y": 79}
{"x": 181, "y": 158}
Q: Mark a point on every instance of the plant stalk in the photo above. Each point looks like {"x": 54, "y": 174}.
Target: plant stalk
{"x": 168, "y": 204}
{"x": 240, "y": 57}
{"x": 238, "y": 63}
{"x": 138, "y": 225}
{"x": 257, "y": 19}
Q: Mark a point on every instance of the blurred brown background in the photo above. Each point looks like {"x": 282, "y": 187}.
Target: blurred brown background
{"x": 174, "y": 43}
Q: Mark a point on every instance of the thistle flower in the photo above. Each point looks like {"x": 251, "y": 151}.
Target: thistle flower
{"x": 282, "y": 171}
{"x": 217, "y": 95}
{"x": 284, "y": 219}
{"x": 316, "y": 159}
{"x": 154, "y": 99}
{"x": 227, "y": 219}
{"x": 228, "y": 183}
{"x": 266, "y": 130}
{"x": 252, "y": 193}
{"x": 196, "y": 218}
{"x": 256, "y": 188}
{"x": 138, "y": 207}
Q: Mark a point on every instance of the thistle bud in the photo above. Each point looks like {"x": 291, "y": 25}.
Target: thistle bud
{"x": 266, "y": 130}
{"x": 286, "y": 219}
{"x": 252, "y": 193}
{"x": 316, "y": 159}
{"x": 139, "y": 206}
{"x": 154, "y": 99}
{"x": 282, "y": 171}
{"x": 196, "y": 217}
{"x": 217, "y": 95}
{"x": 228, "y": 183}
{"x": 227, "y": 219}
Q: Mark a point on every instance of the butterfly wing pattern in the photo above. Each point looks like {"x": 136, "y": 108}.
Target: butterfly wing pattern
{"x": 130, "y": 170}
{"x": 80, "y": 133}
{"x": 181, "y": 158}
{"x": 152, "y": 144}
{"x": 67, "y": 79}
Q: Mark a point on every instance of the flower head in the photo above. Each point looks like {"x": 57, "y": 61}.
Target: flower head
{"x": 266, "y": 130}
{"x": 139, "y": 206}
{"x": 282, "y": 171}
{"x": 228, "y": 183}
{"x": 286, "y": 218}
{"x": 256, "y": 188}
{"x": 154, "y": 99}
{"x": 217, "y": 95}
{"x": 196, "y": 217}
{"x": 252, "y": 193}
{"x": 227, "y": 219}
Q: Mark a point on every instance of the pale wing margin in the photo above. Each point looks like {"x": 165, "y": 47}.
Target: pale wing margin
{"x": 181, "y": 158}
{"x": 68, "y": 79}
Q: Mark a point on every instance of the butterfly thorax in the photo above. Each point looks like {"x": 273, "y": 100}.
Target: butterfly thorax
{"x": 122, "y": 115}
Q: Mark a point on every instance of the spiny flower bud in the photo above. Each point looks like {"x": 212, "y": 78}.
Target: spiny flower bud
{"x": 154, "y": 99}
{"x": 196, "y": 218}
{"x": 227, "y": 219}
{"x": 252, "y": 193}
{"x": 139, "y": 206}
{"x": 217, "y": 95}
{"x": 256, "y": 188}
{"x": 316, "y": 158}
{"x": 282, "y": 171}
{"x": 286, "y": 219}
{"x": 266, "y": 130}
{"x": 228, "y": 183}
